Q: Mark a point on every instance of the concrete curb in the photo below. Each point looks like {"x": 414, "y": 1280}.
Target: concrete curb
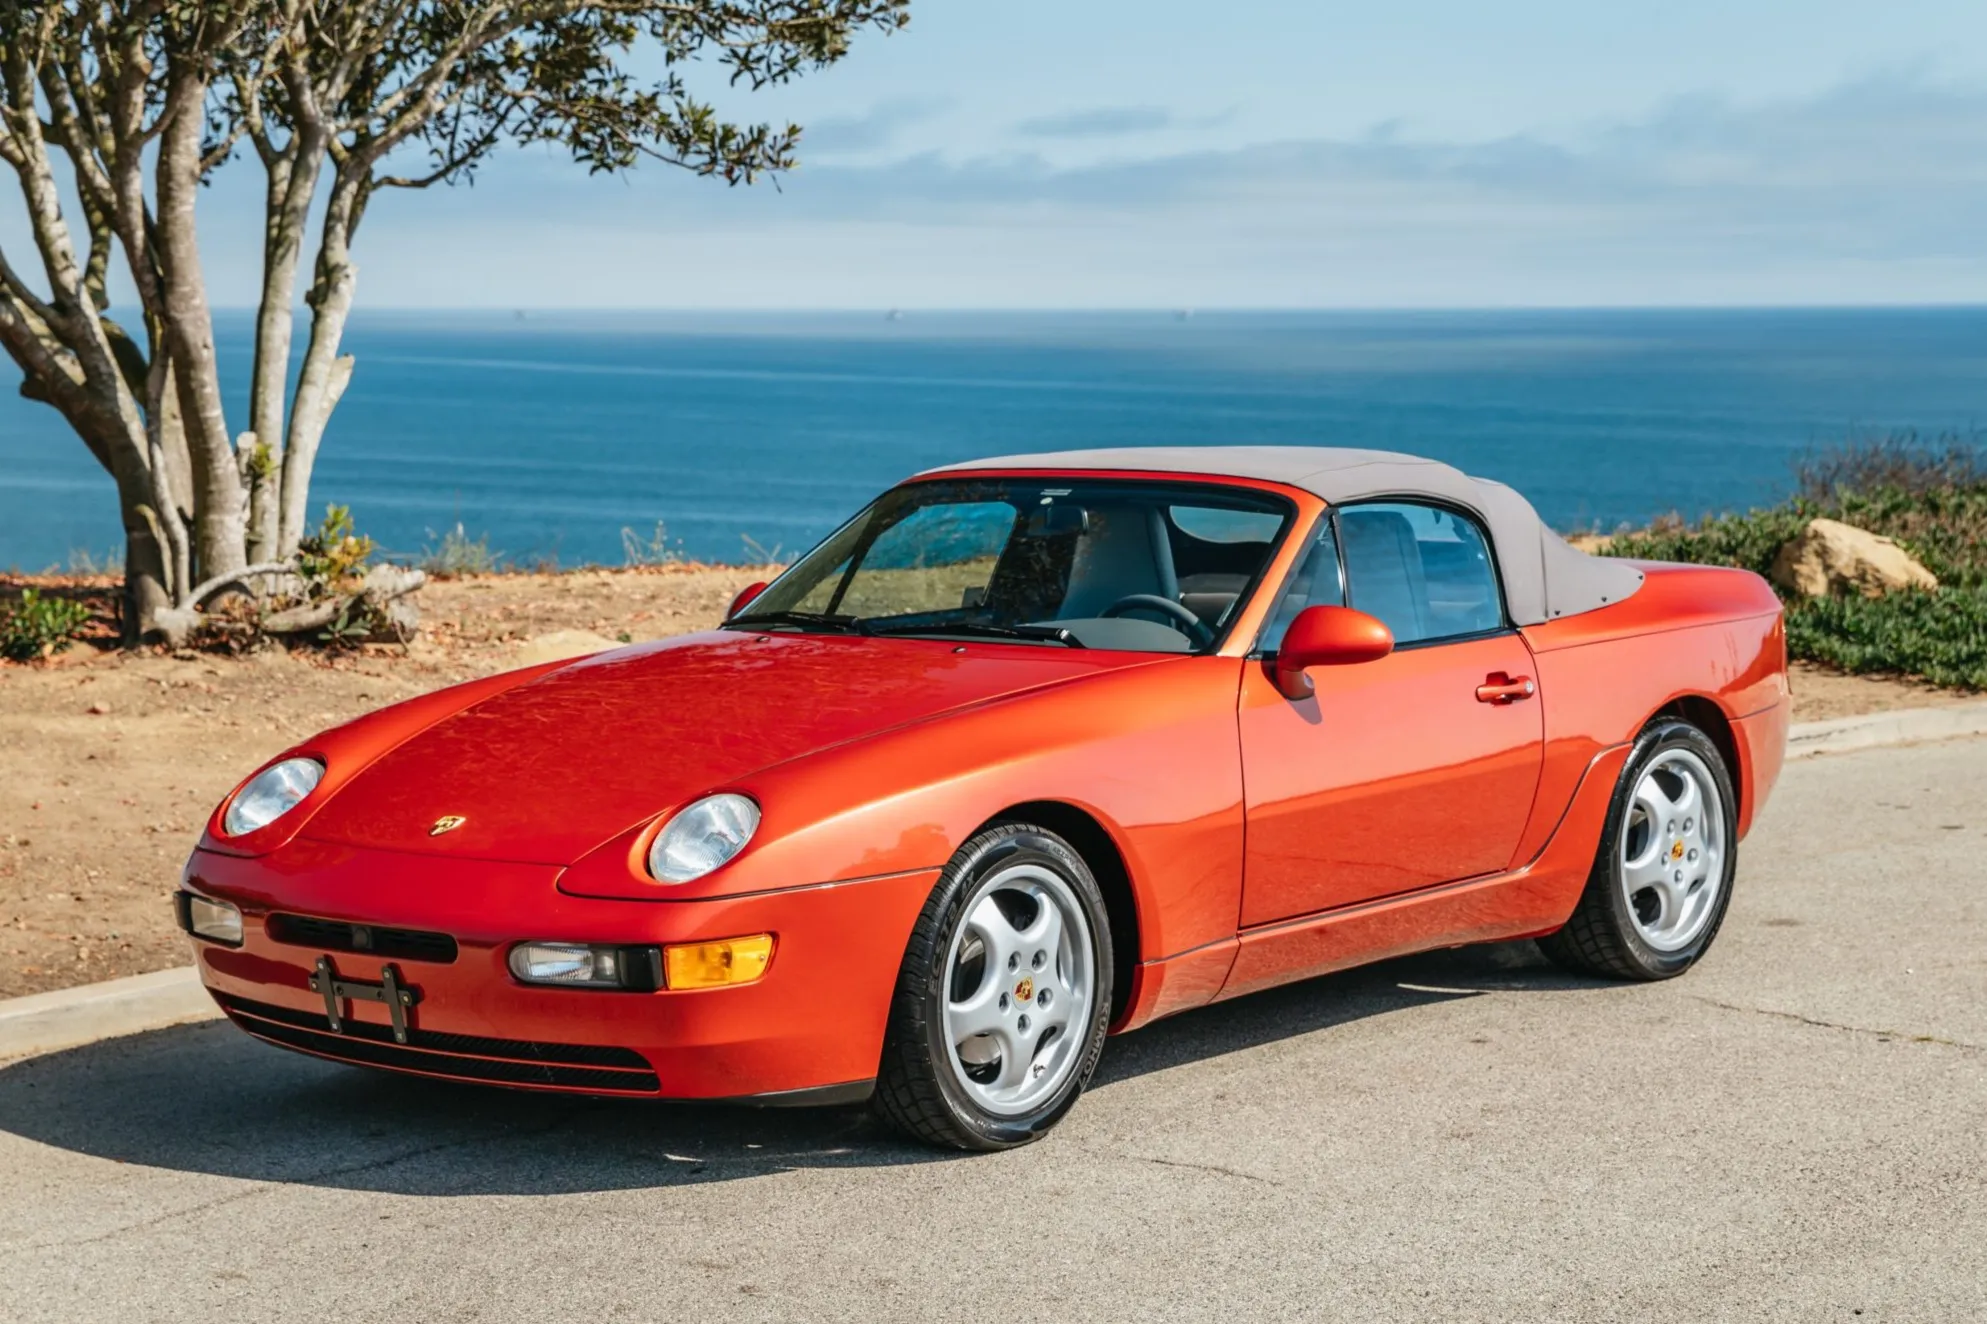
{"x": 68, "y": 1017}
{"x": 1903, "y": 727}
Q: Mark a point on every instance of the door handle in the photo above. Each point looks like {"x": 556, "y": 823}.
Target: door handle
{"x": 1500, "y": 688}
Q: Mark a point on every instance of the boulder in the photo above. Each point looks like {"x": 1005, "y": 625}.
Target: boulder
{"x": 560, "y": 645}
{"x": 390, "y": 590}
{"x": 1833, "y": 559}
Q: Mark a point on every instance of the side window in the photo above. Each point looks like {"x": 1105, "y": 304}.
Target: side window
{"x": 1316, "y": 582}
{"x": 1424, "y": 570}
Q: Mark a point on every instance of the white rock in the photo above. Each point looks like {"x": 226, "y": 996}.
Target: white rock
{"x": 1833, "y": 559}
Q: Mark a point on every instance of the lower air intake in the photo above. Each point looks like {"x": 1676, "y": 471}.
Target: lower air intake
{"x": 589, "y": 1067}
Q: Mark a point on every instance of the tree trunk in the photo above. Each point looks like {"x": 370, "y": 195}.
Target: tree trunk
{"x": 293, "y": 176}
{"x": 145, "y": 593}
{"x": 219, "y": 502}
{"x": 148, "y": 556}
{"x": 323, "y": 378}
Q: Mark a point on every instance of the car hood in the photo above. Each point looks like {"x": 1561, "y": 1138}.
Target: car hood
{"x": 552, "y": 768}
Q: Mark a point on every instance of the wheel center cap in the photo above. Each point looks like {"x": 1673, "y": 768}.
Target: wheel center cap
{"x": 1676, "y": 851}
{"x": 1025, "y": 990}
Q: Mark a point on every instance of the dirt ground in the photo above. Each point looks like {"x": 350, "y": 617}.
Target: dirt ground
{"x": 110, "y": 762}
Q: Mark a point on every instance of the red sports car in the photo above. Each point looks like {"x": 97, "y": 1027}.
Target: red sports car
{"x": 1031, "y": 751}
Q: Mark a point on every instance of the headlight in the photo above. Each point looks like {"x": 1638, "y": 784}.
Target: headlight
{"x": 702, "y": 837}
{"x": 270, "y": 794}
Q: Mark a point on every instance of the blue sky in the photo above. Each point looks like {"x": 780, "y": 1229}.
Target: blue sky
{"x": 1099, "y": 153}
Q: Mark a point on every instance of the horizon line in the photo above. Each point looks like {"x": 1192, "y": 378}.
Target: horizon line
{"x": 1156, "y": 309}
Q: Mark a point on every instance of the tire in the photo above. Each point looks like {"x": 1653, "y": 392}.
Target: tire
{"x": 981, "y": 954}
{"x": 1645, "y": 913}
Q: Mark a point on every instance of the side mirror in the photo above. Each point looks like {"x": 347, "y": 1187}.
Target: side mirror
{"x": 744, "y": 598}
{"x": 1327, "y": 637}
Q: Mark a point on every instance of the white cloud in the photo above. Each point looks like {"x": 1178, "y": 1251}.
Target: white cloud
{"x": 875, "y": 129}
{"x": 1098, "y": 122}
{"x": 1869, "y": 193}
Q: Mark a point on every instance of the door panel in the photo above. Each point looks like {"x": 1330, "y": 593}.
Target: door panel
{"x": 1392, "y": 777}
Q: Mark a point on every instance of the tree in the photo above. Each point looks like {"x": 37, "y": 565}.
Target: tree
{"x": 141, "y": 101}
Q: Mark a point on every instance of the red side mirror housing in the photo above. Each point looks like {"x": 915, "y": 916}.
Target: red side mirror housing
{"x": 744, "y": 598}
{"x": 1327, "y": 637}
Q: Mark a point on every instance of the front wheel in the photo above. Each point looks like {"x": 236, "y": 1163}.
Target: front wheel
{"x": 1663, "y": 874}
{"x": 1003, "y": 997}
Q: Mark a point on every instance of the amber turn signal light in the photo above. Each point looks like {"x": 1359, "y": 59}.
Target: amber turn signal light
{"x": 716, "y": 964}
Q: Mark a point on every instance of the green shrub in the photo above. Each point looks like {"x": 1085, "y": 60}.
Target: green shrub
{"x": 1931, "y": 498}
{"x": 37, "y": 626}
{"x": 1941, "y": 636}
{"x": 333, "y": 558}
{"x": 1749, "y": 541}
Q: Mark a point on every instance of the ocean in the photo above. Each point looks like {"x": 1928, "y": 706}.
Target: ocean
{"x": 748, "y": 434}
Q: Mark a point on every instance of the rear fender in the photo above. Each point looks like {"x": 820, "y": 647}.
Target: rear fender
{"x": 1604, "y": 674}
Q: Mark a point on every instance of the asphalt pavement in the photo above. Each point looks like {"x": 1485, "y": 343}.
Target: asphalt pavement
{"x": 1795, "y": 1130}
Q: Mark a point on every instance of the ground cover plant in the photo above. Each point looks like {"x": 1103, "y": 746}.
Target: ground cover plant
{"x": 1931, "y": 497}
{"x": 39, "y": 625}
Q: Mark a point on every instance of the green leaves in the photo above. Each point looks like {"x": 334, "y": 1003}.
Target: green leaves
{"x": 37, "y": 626}
{"x": 1932, "y": 500}
{"x": 1749, "y": 541}
{"x": 461, "y": 81}
{"x": 333, "y": 559}
{"x": 1941, "y": 636}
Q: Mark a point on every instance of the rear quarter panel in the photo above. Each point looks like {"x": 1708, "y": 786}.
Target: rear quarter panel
{"x": 1691, "y": 632}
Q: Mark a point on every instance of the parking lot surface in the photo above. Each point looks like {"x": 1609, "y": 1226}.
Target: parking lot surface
{"x": 1795, "y": 1130}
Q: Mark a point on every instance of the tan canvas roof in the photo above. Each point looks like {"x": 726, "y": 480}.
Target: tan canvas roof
{"x": 1544, "y": 578}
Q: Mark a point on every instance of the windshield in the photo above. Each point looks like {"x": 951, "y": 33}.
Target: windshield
{"x": 1157, "y": 567}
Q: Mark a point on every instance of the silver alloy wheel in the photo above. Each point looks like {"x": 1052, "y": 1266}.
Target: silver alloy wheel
{"x": 1673, "y": 851}
{"x": 1020, "y": 978}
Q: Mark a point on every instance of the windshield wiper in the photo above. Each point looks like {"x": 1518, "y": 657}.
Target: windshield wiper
{"x": 811, "y": 620}
{"x": 1046, "y": 634}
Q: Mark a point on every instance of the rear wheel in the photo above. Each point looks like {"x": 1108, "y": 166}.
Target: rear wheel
{"x": 1003, "y": 997}
{"x": 1663, "y": 875}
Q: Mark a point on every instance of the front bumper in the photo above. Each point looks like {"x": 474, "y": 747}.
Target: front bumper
{"x": 813, "y": 1022}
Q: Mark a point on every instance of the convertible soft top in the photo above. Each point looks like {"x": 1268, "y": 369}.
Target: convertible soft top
{"x": 1544, "y": 577}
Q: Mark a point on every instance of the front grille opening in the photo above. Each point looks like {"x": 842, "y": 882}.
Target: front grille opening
{"x": 334, "y": 935}
{"x": 592, "y": 1067}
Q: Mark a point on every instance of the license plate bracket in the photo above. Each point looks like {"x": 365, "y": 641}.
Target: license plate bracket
{"x": 336, "y": 991}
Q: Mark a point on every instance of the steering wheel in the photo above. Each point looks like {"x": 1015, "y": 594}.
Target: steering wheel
{"x": 1181, "y": 617}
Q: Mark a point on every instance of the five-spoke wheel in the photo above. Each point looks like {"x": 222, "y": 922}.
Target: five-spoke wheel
{"x": 1673, "y": 850}
{"x": 1022, "y": 970}
{"x": 1004, "y": 995}
{"x": 1663, "y": 875}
